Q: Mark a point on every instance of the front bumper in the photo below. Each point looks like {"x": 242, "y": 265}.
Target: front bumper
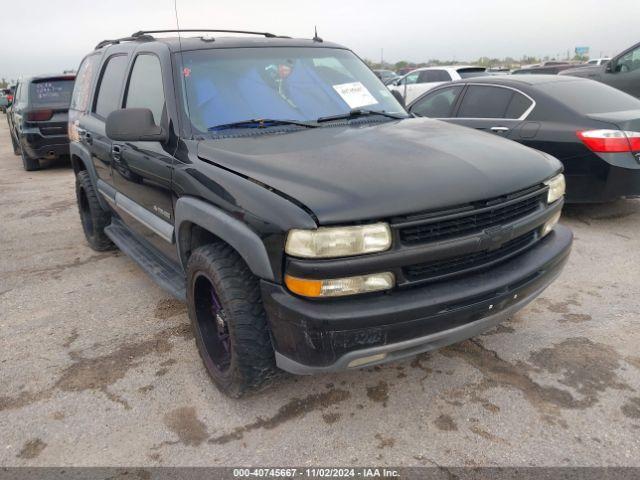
{"x": 323, "y": 336}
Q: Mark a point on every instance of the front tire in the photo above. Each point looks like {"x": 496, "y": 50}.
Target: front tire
{"x": 229, "y": 321}
{"x": 94, "y": 219}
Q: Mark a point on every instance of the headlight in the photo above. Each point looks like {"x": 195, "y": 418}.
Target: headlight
{"x": 338, "y": 287}
{"x": 552, "y": 222}
{"x": 557, "y": 187}
{"x": 328, "y": 242}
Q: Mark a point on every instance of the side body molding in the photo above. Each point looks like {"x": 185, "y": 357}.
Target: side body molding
{"x": 244, "y": 240}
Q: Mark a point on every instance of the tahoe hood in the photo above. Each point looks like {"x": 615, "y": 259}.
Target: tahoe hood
{"x": 345, "y": 174}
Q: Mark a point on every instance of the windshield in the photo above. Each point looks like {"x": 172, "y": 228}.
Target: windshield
{"x": 51, "y": 92}
{"x": 225, "y": 86}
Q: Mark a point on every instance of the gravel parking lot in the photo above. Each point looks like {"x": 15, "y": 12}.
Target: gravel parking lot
{"x": 98, "y": 366}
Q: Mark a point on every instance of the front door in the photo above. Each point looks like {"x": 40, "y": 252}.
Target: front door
{"x": 142, "y": 170}
{"x": 625, "y": 74}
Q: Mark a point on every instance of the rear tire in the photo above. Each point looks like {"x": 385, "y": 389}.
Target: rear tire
{"x": 229, "y": 321}
{"x": 14, "y": 143}
{"x": 28, "y": 163}
{"x": 94, "y": 219}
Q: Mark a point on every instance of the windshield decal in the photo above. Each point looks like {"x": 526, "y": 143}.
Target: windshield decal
{"x": 355, "y": 94}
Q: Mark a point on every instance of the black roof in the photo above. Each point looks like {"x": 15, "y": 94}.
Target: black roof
{"x": 515, "y": 80}
{"x": 207, "y": 40}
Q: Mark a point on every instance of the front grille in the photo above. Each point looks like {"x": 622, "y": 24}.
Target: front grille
{"x": 478, "y": 218}
{"x": 465, "y": 263}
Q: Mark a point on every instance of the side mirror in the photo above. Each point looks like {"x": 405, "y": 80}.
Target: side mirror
{"x": 134, "y": 125}
{"x": 610, "y": 66}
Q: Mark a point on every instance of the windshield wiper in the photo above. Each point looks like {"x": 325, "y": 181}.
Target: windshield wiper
{"x": 359, "y": 113}
{"x": 260, "y": 123}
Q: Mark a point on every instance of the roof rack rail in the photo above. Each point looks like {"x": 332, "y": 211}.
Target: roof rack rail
{"x": 145, "y": 35}
{"x": 142, "y": 33}
{"x": 115, "y": 41}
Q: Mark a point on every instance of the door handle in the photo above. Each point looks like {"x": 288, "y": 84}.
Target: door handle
{"x": 499, "y": 129}
{"x": 88, "y": 138}
{"x": 116, "y": 150}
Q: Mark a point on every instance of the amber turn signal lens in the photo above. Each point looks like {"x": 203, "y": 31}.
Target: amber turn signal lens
{"x": 339, "y": 287}
{"x": 304, "y": 286}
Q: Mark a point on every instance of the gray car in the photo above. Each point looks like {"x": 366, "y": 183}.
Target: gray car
{"x": 621, "y": 72}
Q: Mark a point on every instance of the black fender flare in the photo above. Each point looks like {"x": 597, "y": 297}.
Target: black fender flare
{"x": 79, "y": 153}
{"x": 191, "y": 210}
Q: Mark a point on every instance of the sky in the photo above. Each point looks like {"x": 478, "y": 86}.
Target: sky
{"x": 53, "y": 35}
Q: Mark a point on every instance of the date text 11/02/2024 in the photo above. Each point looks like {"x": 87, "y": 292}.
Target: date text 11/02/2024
{"x": 316, "y": 472}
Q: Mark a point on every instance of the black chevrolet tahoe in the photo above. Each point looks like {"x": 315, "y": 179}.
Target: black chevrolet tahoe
{"x": 38, "y": 118}
{"x": 308, "y": 221}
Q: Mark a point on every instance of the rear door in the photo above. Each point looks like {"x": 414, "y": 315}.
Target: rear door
{"x": 142, "y": 170}
{"x": 492, "y": 108}
{"x": 107, "y": 98}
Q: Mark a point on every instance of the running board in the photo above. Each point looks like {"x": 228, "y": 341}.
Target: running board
{"x": 159, "y": 268}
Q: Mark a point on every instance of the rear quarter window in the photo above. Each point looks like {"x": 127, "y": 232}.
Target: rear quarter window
{"x": 588, "y": 96}
{"x": 84, "y": 79}
{"x": 110, "y": 86}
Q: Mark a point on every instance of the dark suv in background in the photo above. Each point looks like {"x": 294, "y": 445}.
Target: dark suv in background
{"x": 309, "y": 222}
{"x": 38, "y": 118}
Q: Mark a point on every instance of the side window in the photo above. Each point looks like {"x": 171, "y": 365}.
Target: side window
{"x": 411, "y": 78}
{"x": 437, "y": 104}
{"x": 424, "y": 77}
{"x": 517, "y": 106}
{"x": 145, "y": 86}
{"x": 629, "y": 61}
{"x": 84, "y": 79}
{"x": 485, "y": 102}
{"x": 428, "y": 76}
{"x": 110, "y": 85}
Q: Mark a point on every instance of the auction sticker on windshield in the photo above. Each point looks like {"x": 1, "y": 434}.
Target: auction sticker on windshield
{"x": 355, "y": 94}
